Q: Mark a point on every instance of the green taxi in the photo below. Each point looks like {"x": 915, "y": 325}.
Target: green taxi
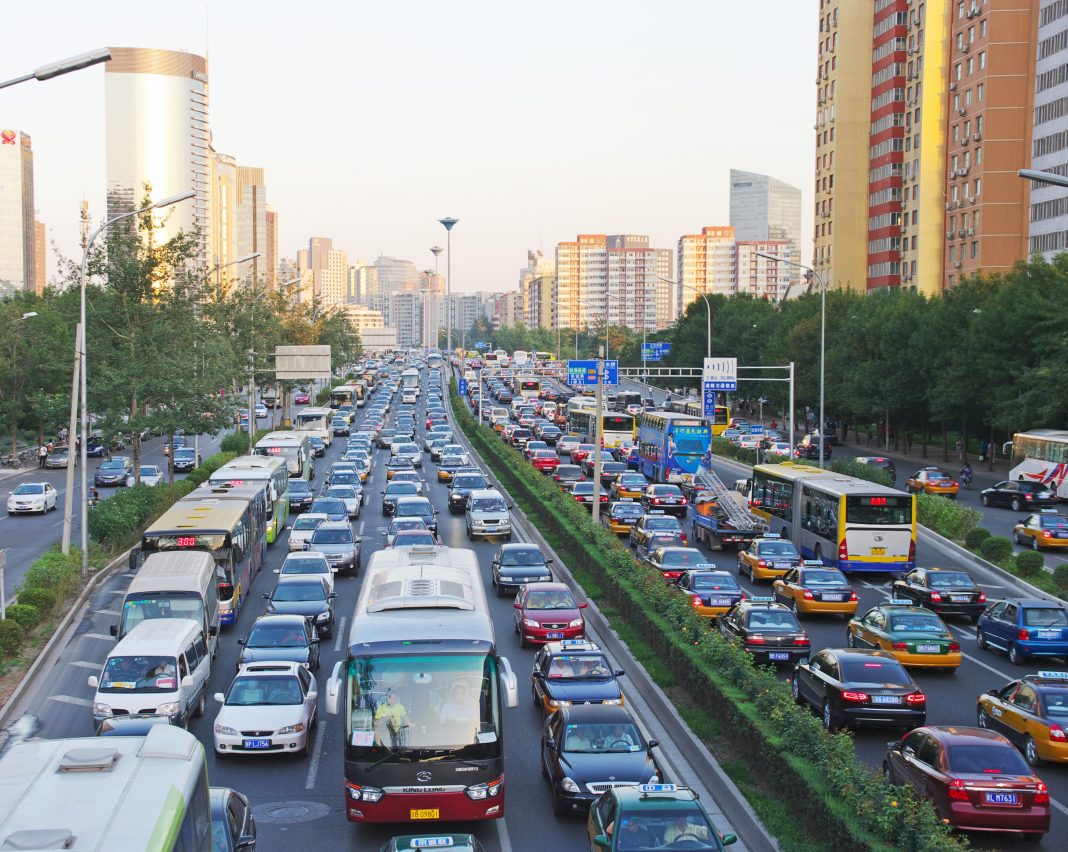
{"x": 913, "y": 634}
{"x": 652, "y": 816}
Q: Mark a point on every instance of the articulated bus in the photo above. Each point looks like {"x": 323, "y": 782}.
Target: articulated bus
{"x": 316, "y": 420}
{"x": 1041, "y": 455}
{"x": 671, "y": 445}
{"x": 847, "y": 523}
{"x": 695, "y": 408}
{"x": 147, "y": 793}
{"x": 269, "y": 470}
{"x": 421, "y": 692}
{"x": 293, "y": 448}
{"x": 227, "y": 529}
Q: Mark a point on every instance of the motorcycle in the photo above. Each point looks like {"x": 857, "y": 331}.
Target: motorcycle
{"x": 966, "y": 477}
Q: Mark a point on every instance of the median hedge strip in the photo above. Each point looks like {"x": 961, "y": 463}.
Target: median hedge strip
{"x": 816, "y": 774}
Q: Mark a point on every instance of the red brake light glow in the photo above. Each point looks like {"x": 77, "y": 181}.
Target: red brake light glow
{"x": 854, "y": 696}
{"x": 916, "y": 698}
{"x": 956, "y": 790}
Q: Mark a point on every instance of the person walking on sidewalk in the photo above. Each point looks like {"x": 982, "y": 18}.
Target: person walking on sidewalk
{"x": 42, "y": 454}
{"x": 960, "y": 450}
{"x": 984, "y": 448}
{"x": 908, "y": 441}
{"x": 867, "y": 433}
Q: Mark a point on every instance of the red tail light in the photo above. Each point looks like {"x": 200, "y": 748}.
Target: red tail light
{"x": 899, "y": 646}
{"x": 762, "y": 563}
{"x": 936, "y": 597}
{"x": 1047, "y": 534}
{"x": 656, "y": 500}
{"x": 982, "y": 597}
{"x": 809, "y": 596}
{"x": 697, "y": 600}
{"x": 756, "y": 639}
{"x": 672, "y": 575}
{"x": 578, "y": 499}
{"x": 1041, "y": 794}
{"x": 1056, "y": 733}
{"x": 1023, "y": 634}
{"x": 854, "y": 696}
{"x": 843, "y": 551}
{"x": 683, "y": 503}
{"x": 957, "y": 791}
{"x": 954, "y": 647}
{"x": 912, "y": 550}
{"x": 916, "y": 698}
{"x": 853, "y": 596}
{"x": 1028, "y": 496}
{"x": 801, "y": 640}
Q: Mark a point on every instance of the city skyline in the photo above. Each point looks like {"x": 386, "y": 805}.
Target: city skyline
{"x": 442, "y": 152}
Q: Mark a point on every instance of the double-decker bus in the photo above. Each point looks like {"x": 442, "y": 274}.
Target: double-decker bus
{"x": 271, "y": 472}
{"x": 227, "y": 529}
{"x": 147, "y": 793}
{"x": 315, "y": 420}
{"x": 719, "y": 421}
{"x": 671, "y": 445}
{"x": 617, "y": 429}
{"x": 847, "y": 523}
{"x": 1041, "y": 455}
{"x": 421, "y": 692}
{"x": 293, "y": 448}
{"x": 526, "y": 386}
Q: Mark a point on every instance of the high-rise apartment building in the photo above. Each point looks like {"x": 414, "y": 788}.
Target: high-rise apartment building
{"x": 328, "y": 268}
{"x": 992, "y": 56}
{"x": 1049, "y": 204}
{"x": 706, "y": 264}
{"x": 466, "y": 308}
{"x": 406, "y": 316}
{"x": 156, "y": 104}
{"x": 665, "y": 296}
{"x": 433, "y": 317}
{"x": 252, "y": 221}
{"x": 843, "y": 125}
{"x": 764, "y": 208}
{"x": 40, "y": 258}
{"x": 581, "y": 273}
{"x": 17, "y": 235}
{"x": 270, "y": 249}
{"x": 224, "y": 215}
{"x": 539, "y": 301}
{"x": 758, "y": 276}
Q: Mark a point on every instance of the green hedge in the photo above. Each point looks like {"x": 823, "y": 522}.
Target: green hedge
{"x": 1060, "y": 578}
{"x": 946, "y": 517}
{"x": 975, "y": 538}
{"x": 11, "y": 636}
{"x": 858, "y": 470}
{"x": 1029, "y": 563}
{"x": 815, "y": 774}
{"x": 43, "y": 599}
{"x": 996, "y": 549}
{"x": 24, "y": 615}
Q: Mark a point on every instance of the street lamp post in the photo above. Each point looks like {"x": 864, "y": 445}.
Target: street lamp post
{"x": 81, "y": 359}
{"x": 64, "y": 66}
{"x": 823, "y": 340}
{"x": 449, "y": 222}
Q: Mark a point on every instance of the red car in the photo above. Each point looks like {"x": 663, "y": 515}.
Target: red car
{"x": 548, "y": 612}
{"x": 583, "y": 450}
{"x": 974, "y": 777}
{"x": 301, "y": 398}
{"x": 546, "y": 461}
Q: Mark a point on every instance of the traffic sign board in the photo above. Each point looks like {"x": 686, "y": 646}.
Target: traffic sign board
{"x": 710, "y": 399}
{"x": 585, "y": 372}
{"x": 721, "y": 374}
{"x": 482, "y": 344}
{"x": 655, "y": 351}
{"x": 756, "y": 429}
{"x": 463, "y": 387}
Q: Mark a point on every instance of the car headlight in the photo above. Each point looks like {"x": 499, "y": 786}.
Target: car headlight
{"x": 569, "y": 786}
{"x": 225, "y": 731}
{"x": 101, "y": 710}
{"x": 529, "y": 622}
{"x": 613, "y": 701}
{"x": 169, "y": 709}
{"x": 553, "y": 703}
{"x": 505, "y": 579}
{"x": 322, "y": 618}
{"x": 291, "y": 729}
{"x": 575, "y": 622}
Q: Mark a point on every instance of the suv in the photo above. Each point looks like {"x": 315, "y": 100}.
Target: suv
{"x": 809, "y": 447}
{"x": 487, "y": 514}
{"x": 647, "y": 817}
{"x": 336, "y": 541}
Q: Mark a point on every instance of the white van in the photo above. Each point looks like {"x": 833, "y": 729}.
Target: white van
{"x": 160, "y": 668}
{"x": 178, "y": 584}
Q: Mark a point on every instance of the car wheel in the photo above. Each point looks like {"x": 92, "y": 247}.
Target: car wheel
{"x": 1015, "y": 657}
{"x": 981, "y": 719}
{"x": 1016, "y": 537}
{"x": 202, "y": 704}
{"x": 741, "y": 567}
{"x": 984, "y": 500}
{"x": 1031, "y": 752}
{"x": 537, "y": 703}
{"x": 1016, "y": 506}
{"x": 888, "y": 774}
{"x": 980, "y": 640}
{"x": 1033, "y": 837}
{"x": 1034, "y": 542}
{"x": 795, "y": 690}
{"x": 829, "y": 720}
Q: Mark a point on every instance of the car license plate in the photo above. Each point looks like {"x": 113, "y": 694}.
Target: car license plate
{"x": 257, "y": 743}
{"x": 1049, "y": 634}
{"x": 1001, "y": 798}
{"x": 778, "y": 655}
{"x": 928, "y": 649}
{"x": 827, "y": 597}
{"x": 425, "y": 813}
{"x": 878, "y": 551}
{"x": 783, "y": 566}
{"x": 960, "y": 598}
{"x": 719, "y": 601}
{"x": 554, "y": 635}
{"x": 885, "y": 699}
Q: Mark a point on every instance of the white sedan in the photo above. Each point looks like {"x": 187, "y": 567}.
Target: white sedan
{"x": 303, "y": 527}
{"x": 151, "y": 476}
{"x": 307, "y": 562}
{"x": 779, "y": 449}
{"x": 276, "y": 701}
{"x": 32, "y": 497}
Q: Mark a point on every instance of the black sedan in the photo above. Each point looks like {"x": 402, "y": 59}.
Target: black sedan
{"x": 947, "y": 591}
{"x": 1018, "y": 496}
{"x": 460, "y": 489}
{"x": 232, "y": 823}
{"x": 300, "y": 495}
{"x": 304, "y": 594}
{"x": 665, "y": 498}
{"x": 591, "y": 748}
{"x": 767, "y": 630}
{"x": 516, "y": 564}
{"x": 281, "y": 638}
{"x": 114, "y": 471}
{"x": 572, "y": 672}
{"x": 394, "y": 491}
{"x": 848, "y": 686}
{"x": 318, "y": 446}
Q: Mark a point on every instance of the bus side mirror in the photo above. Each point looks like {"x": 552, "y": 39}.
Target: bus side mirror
{"x": 213, "y": 630}
{"x": 114, "y": 630}
{"x": 333, "y": 689}
{"x": 729, "y": 839}
{"x": 510, "y": 684}
{"x": 187, "y": 682}
{"x": 602, "y": 841}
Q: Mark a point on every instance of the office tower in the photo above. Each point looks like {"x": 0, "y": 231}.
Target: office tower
{"x": 156, "y": 104}
{"x": 223, "y": 217}
{"x": 40, "y": 255}
{"x": 764, "y": 208}
{"x": 252, "y": 231}
{"x": 270, "y": 252}
{"x": 17, "y": 255}
{"x": 1049, "y": 205}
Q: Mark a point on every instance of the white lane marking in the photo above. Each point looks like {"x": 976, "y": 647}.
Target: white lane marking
{"x": 313, "y": 768}
{"x": 502, "y": 835}
{"x": 103, "y": 636}
{"x": 361, "y": 527}
{"x": 85, "y": 664}
{"x": 70, "y": 699}
{"x": 1058, "y": 806}
{"x": 107, "y": 612}
{"x": 340, "y": 633}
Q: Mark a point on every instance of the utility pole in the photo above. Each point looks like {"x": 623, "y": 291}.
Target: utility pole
{"x": 598, "y": 437}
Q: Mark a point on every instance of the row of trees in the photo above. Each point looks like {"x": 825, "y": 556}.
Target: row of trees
{"x": 168, "y": 346}
{"x": 567, "y": 343}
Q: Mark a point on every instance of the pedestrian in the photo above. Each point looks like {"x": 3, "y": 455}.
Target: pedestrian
{"x": 908, "y": 441}
{"x": 960, "y": 450}
{"x": 867, "y": 433}
{"x": 42, "y": 454}
{"x": 774, "y": 423}
{"x": 51, "y": 446}
{"x": 984, "y": 448}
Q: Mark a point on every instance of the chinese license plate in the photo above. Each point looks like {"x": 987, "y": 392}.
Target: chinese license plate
{"x": 1049, "y": 634}
{"x": 425, "y": 813}
{"x": 960, "y": 598}
{"x": 719, "y": 601}
{"x": 878, "y": 551}
{"x": 257, "y": 743}
{"x": 827, "y": 597}
{"x": 885, "y": 699}
{"x": 928, "y": 649}
{"x": 1001, "y": 799}
{"x": 554, "y": 635}
{"x": 778, "y": 655}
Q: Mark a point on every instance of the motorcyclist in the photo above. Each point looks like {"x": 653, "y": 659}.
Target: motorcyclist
{"x": 966, "y": 475}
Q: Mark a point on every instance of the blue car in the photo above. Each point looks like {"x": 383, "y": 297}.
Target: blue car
{"x": 1024, "y": 627}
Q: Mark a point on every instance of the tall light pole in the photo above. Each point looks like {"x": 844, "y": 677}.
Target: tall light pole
{"x": 64, "y": 66}
{"x": 81, "y": 360}
{"x": 449, "y": 222}
{"x": 1043, "y": 177}
{"x": 708, "y": 305}
{"x": 823, "y": 338}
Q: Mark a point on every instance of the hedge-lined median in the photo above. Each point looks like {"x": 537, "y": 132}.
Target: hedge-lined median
{"x": 817, "y": 775}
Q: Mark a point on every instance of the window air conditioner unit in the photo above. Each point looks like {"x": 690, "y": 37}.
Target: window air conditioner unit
{"x": 965, "y": 47}
{"x": 960, "y": 233}
{"x": 970, "y": 232}
{"x": 977, "y": 137}
{"x": 960, "y": 111}
{"x": 956, "y": 265}
{"x": 965, "y": 170}
{"x": 949, "y": 235}
{"x": 953, "y": 87}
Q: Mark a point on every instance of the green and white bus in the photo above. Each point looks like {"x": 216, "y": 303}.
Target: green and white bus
{"x": 291, "y": 446}
{"x": 270, "y": 469}
{"x": 98, "y": 795}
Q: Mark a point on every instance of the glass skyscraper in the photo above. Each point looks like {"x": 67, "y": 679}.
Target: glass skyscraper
{"x": 763, "y": 208}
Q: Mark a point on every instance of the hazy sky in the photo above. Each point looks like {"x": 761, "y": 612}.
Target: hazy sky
{"x": 530, "y": 122}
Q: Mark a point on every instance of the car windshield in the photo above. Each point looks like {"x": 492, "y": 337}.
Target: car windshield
{"x": 464, "y": 481}
{"x": 256, "y": 691}
{"x": 678, "y": 558}
{"x": 414, "y": 509}
{"x": 772, "y": 619}
{"x": 665, "y": 522}
{"x": 550, "y": 599}
{"x": 395, "y": 488}
{"x": 916, "y": 622}
{"x": 277, "y": 636}
{"x": 112, "y": 464}
{"x": 306, "y": 523}
{"x": 407, "y": 524}
{"x": 296, "y": 592}
{"x": 778, "y": 548}
{"x": 527, "y": 556}
{"x": 714, "y": 582}
{"x": 305, "y": 565}
{"x": 600, "y": 739}
{"x": 411, "y": 538}
{"x": 331, "y": 537}
{"x": 299, "y": 486}
{"x": 489, "y": 504}
{"x": 986, "y": 760}
{"x": 1045, "y": 616}
{"x": 343, "y": 478}
{"x": 666, "y": 490}
{"x": 824, "y": 578}
{"x": 407, "y": 449}
{"x": 875, "y": 671}
{"x": 632, "y": 479}
{"x": 453, "y": 461}
{"x": 566, "y": 470}
{"x": 626, "y": 510}
{"x": 1056, "y": 701}
{"x": 576, "y": 666}
{"x": 951, "y": 580}
{"x": 342, "y": 492}
{"x": 329, "y": 507}
{"x": 665, "y": 829}
{"x": 29, "y": 488}
{"x": 139, "y": 674}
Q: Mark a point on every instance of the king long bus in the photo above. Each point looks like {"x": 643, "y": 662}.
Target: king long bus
{"x": 293, "y": 448}
{"x": 343, "y": 395}
{"x": 1041, "y": 455}
{"x": 316, "y": 420}
{"x": 270, "y": 471}
{"x": 421, "y": 692}
{"x": 846, "y": 523}
{"x": 230, "y": 530}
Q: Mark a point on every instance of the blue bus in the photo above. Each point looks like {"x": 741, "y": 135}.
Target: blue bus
{"x": 671, "y": 444}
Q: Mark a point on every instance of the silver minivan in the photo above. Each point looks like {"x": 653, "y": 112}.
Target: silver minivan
{"x": 487, "y": 515}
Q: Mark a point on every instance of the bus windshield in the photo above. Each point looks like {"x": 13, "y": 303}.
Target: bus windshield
{"x": 428, "y": 704}
{"x": 139, "y": 674}
{"x": 882, "y": 511}
{"x": 161, "y": 605}
{"x": 292, "y": 456}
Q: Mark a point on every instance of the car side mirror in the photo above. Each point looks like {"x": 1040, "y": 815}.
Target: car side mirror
{"x": 653, "y": 743}
{"x": 517, "y": 606}
{"x": 618, "y": 673}
{"x": 893, "y": 745}
{"x": 187, "y": 682}
{"x": 134, "y": 559}
{"x": 94, "y": 681}
{"x": 603, "y": 841}
{"x": 539, "y": 675}
{"x": 220, "y": 697}
{"x": 728, "y": 839}
{"x": 266, "y": 597}
{"x": 240, "y": 641}
{"x": 213, "y": 630}
{"x": 276, "y": 571}
{"x": 550, "y": 744}
{"x": 333, "y": 595}
{"x": 583, "y": 605}
{"x": 114, "y": 629}
{"x": 314, "y": 641}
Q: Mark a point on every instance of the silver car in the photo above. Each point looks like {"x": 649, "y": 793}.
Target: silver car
{"x": 302, "y": 529}
{"x": 337, "y": 542}
{"x": 350, "y": 494}
{"x": 408, "y": 450}
{"x": 487, "y": 515}
{"x": 270, "y": 708}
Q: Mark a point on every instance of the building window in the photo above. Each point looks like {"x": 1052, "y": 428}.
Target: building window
{"x": 975, "y": 249}
{"x": 978, "y": 185}
{"x": 982, "y": 28}
{"x": 982, "y": 60}
{"x": 968, "y": 98}
{"x": 958, "y": 71}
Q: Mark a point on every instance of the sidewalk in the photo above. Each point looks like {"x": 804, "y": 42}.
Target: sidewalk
{"x": 907, "y": 463}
